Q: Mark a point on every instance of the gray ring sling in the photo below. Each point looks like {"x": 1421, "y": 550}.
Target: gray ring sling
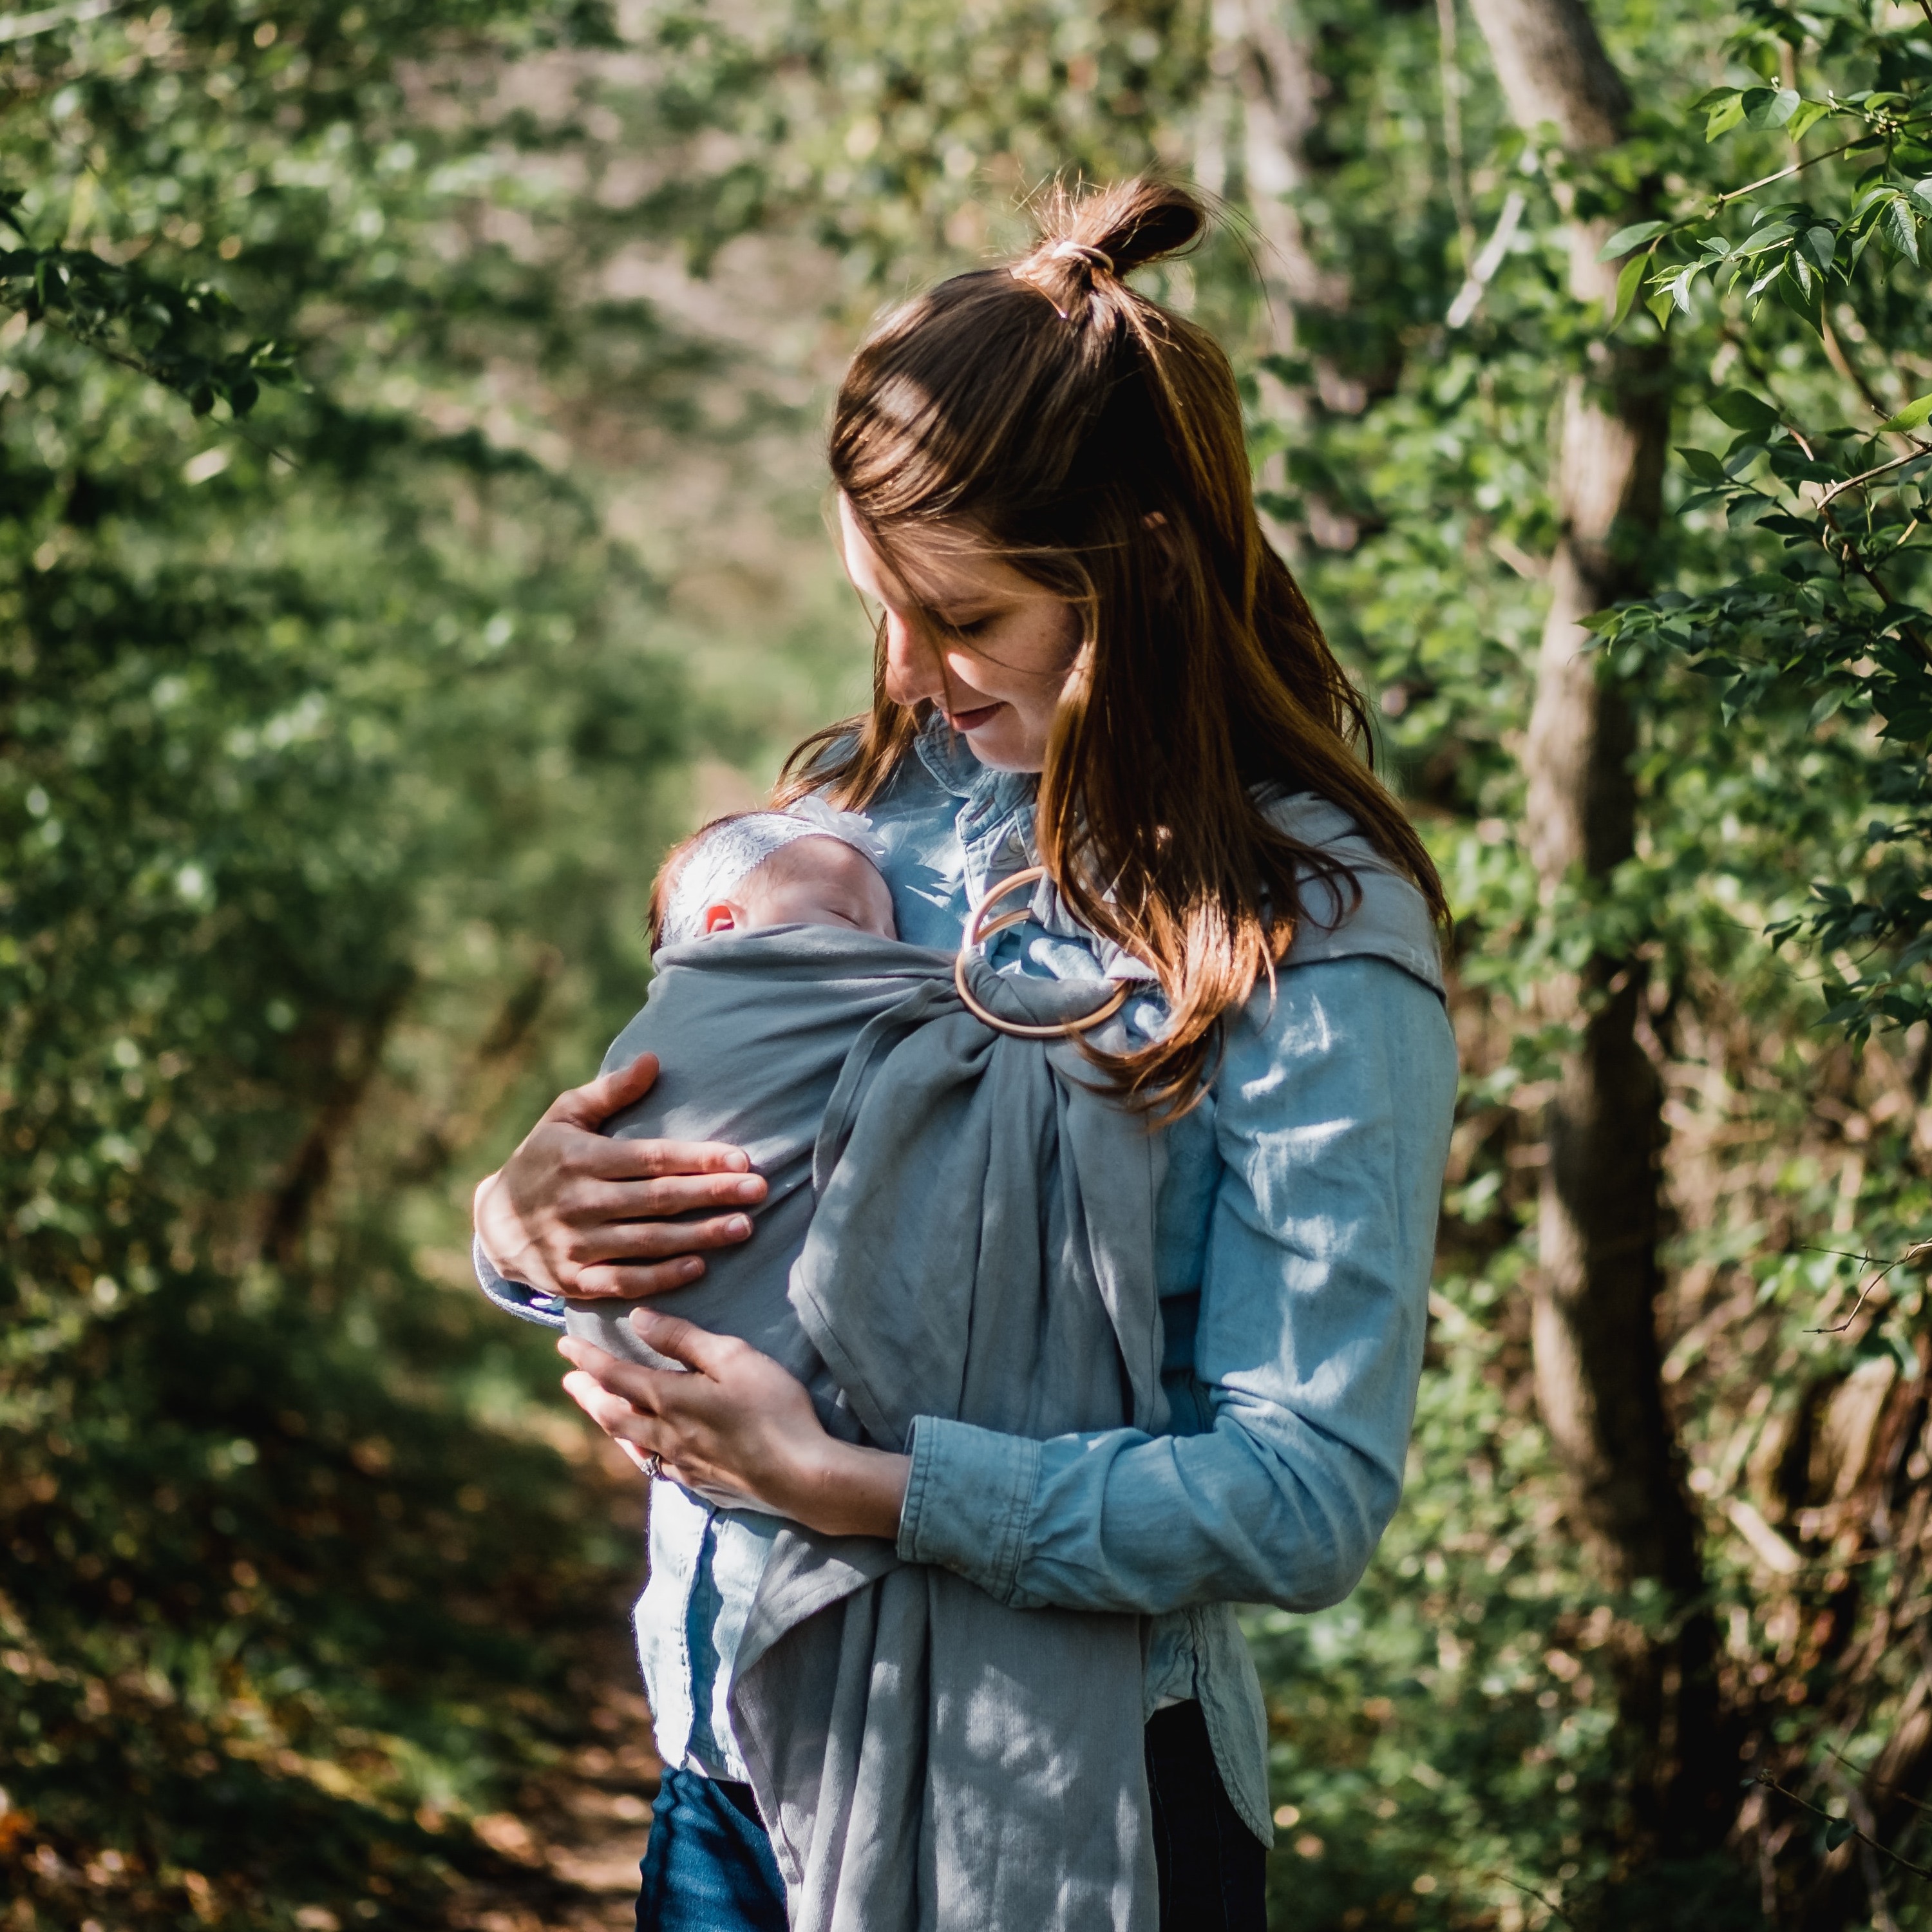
{"x": 960, "y": 1225}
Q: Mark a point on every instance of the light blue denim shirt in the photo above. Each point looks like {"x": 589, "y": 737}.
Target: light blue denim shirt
{"x": 1296, "y": 1228}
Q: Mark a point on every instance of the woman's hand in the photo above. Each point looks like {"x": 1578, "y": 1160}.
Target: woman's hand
{"x": 572, "y": 1212}
{"x": 736, "y": 1427}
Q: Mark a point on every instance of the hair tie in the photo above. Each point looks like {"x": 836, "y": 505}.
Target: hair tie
{"x": 1094, "y": 258}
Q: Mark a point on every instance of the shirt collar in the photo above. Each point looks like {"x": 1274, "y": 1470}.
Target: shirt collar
{"x": 946, "y": 755}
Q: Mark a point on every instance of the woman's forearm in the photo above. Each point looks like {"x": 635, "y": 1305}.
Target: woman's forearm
{"x": 1125, "y": 1522}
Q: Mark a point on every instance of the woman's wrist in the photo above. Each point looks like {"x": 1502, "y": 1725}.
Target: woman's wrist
{"x": 843, "y": 1489}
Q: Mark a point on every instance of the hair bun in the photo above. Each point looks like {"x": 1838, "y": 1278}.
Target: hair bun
{"x": 1118, "y": 230}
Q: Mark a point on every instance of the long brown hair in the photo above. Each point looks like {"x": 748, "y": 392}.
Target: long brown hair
{"x": 1094, "y": 440}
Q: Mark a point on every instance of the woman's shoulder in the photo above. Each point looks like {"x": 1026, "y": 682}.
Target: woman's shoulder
{"x": 1384, "y": 917}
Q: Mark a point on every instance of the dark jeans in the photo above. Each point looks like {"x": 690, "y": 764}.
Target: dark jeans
{"x": 708, "y": 1867}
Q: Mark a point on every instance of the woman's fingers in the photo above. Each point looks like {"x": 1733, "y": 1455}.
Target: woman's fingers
{"x": 647, "y": 1159}
{"x": 611, "y": 1413}
{"x": 631, "y": 1281}
{"x": 736, "y": 1426}
{"x": 608, "y": 1239}
{"x": 570, "y": 1199}
{"x": 629, "y": 1383}
{"x": 583, "y": 1152}
{"x": 609, "y": 1200}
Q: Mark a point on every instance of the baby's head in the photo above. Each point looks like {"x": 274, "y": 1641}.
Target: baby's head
{"x": 809, "y": 866}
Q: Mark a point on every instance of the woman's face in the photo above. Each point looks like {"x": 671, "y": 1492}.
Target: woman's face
{"x": 989, "y": 647}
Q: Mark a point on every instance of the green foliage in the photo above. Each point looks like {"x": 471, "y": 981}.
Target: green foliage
{"x": 320, "y": 735}
{"x": 1833, "y": 617}
{"x": 1783, "y": 742}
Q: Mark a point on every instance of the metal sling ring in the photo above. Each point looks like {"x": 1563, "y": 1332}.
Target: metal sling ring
{"x": 978, "y": 931}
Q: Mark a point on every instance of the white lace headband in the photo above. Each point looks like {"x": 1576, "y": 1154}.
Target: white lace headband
{"x": 738, "y": 847}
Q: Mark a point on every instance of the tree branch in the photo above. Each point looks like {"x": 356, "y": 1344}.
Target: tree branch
{"x": 1865, "y": 475}
{"x": 128, "y": 360}
{"x": 1770, "y": 1783}
{"x": 25, "y": 26}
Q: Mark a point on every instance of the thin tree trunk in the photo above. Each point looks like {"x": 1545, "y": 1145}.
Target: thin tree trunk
{"x": 354, "y": 1052}
{"x": 1278, "y": 87}
{"x": 1598, "y": 1359}
{"x": 1263, "y": 47}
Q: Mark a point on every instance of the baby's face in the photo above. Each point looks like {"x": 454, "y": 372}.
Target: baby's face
{"x": 812, "y": 881}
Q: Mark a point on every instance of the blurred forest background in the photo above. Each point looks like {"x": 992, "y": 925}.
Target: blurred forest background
{"x": 411, "y": 515}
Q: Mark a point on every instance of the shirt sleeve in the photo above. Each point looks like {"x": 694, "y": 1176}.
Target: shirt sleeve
{"x": 513, "y": 1297}
{"x": 1333, "y": 1103}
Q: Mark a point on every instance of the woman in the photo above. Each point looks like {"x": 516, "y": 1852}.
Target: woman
{"x": 1088, "y": 659}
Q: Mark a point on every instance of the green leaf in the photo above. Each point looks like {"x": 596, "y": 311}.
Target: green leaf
{"x": 1630, "y": 278}
{"x": 1807, "y": 118}
{"x": 1826, "y": 707}
{"x": 1901, "y": 228}
{"x": 1915, "y": 416}
{"x": 1625, "y": 239}
{"x": 1703, "y": 465}
{"x": 1821, "y": 244}
{"x": 1740, "y": 409}
{"x": 1802, "y": 292}
{"x": 1724, "y": 114}
{"x": 1660, "y": 305}
{"x": 1770, "y": 106}
{"x": 1837, "y": 1832}
{"x": 1763, "y": 238}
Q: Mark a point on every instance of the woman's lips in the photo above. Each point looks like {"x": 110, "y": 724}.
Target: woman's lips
{"x": 971, "y": 720}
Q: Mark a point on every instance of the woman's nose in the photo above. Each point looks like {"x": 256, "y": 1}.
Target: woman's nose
{"x": 913, "y": 669}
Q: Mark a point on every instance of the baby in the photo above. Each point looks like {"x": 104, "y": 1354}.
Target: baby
{"x": 809, "y": 866}
{"x": 750, "y": 915}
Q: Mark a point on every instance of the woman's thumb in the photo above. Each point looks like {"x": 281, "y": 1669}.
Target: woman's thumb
{"x": 593, "y": 1103}
{"x": 682, "y": 1341}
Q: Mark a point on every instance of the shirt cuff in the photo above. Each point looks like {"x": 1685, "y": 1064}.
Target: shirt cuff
{"x": 968, "y": 1502}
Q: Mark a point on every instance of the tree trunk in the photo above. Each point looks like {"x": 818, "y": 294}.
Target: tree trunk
{"x": 1262, "y": 45}
{"x": 1278, "y": 87}
{"x": 351, "y": 1052}
{"x": 1596, "y": 1354}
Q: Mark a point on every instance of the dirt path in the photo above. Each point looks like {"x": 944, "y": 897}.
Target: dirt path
{"x": 579, "y": 1830}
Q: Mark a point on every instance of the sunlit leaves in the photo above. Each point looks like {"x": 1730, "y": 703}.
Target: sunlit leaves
{"x": 1915, "y": 416}
{"x": 175, "y": 334}
{"x": 303, "y": 750}
{"x": 1625, "y": 239}
{"x": 1839, "y": 618}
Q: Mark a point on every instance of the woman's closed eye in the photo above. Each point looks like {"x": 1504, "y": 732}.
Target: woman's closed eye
{"x": 964, "y": 624}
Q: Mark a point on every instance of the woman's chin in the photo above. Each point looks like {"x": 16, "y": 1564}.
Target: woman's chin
{"x": 1000, "y": 750}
